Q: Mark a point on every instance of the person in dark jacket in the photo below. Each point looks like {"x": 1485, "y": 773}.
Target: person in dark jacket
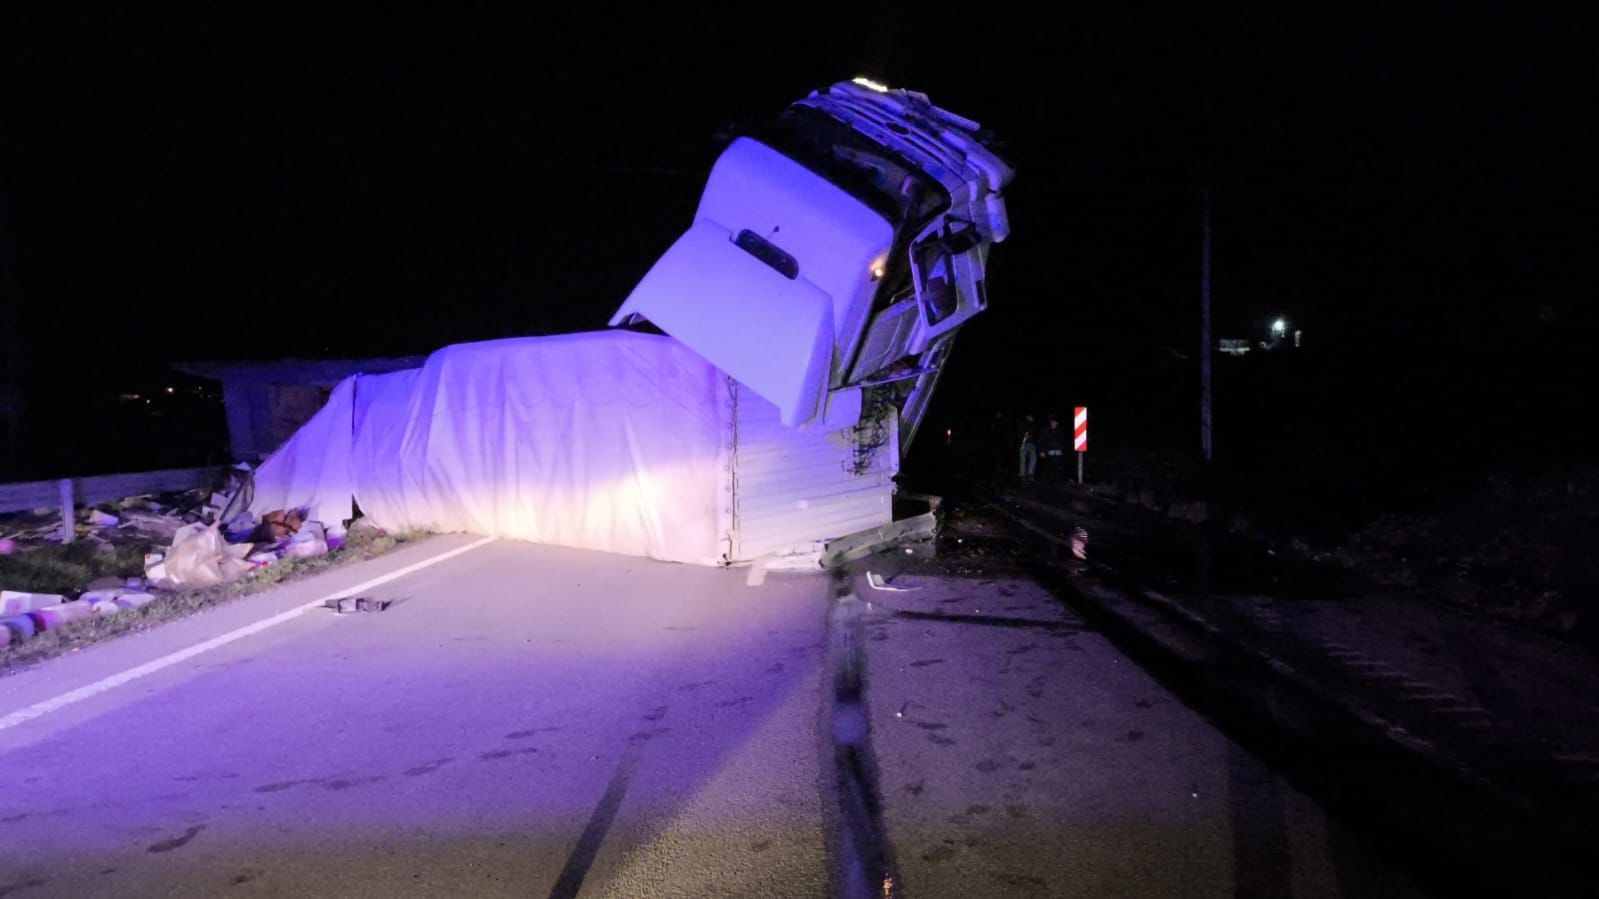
{"x": 1051, "y": 450}
{"x": 1027, "y": 431}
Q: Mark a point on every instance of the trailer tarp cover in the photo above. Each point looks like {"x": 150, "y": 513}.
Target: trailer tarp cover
{"x": 608, "y": 440}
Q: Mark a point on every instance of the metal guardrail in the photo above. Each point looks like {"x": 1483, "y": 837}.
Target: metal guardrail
{"x": 67, "y": 493}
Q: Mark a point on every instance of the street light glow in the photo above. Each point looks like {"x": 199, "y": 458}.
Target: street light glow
{"x": 1279, "y": 326}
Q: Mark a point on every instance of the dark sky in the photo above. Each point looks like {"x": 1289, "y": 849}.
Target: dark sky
{"x": 224, "y": 186}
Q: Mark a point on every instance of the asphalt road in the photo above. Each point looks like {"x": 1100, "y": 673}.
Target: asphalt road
{"x": 528, "y": 720}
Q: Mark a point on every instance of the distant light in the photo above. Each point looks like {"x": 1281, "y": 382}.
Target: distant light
{"x": 170, "y": 391}
{"x": 1279, "y": 326}
{"x": 869, "y": 84}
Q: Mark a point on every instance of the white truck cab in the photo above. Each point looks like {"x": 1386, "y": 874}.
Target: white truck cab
{"x": 835, "y": 252}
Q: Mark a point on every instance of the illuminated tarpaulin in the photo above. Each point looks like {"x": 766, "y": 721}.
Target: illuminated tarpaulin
{"x": 615, "y": 441}
{"x": 811, "y": 305}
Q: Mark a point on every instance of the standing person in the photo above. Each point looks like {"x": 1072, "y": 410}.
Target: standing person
{"x": 1029, "y": 447}
{"x": 1051, "y": 449}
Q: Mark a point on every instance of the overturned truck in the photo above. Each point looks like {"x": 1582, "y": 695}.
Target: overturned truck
{"x": 760, "y": 384}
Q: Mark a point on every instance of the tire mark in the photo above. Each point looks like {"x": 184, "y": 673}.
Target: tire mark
{"x": 177, "y": 842}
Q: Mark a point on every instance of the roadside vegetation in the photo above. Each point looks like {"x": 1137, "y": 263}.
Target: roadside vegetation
{"x": 68, "y": 568}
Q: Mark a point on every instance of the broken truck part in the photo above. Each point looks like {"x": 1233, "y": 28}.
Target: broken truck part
{"x": 807, "y": 311}
{"x": 835, "y": 251}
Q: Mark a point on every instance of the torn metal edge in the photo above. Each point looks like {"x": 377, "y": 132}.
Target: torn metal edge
{"x": 915, "y": 529}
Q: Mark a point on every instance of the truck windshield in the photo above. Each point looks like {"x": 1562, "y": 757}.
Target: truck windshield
{"x": 876, "y": 176}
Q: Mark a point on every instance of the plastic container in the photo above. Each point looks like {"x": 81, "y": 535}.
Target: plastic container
{"x": 13, "y": 602}
{"x": 20, "y": 627}
{"x": 53, "y": 617}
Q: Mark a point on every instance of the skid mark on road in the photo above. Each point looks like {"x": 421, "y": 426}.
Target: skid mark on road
{"x": 346, "y": 783}
{"x": 282, "y": 785}
{"x": 599, "y": 824}
{"x": 428, "y": 767}
{"x": 177, "y": 842}
{"x": 864, "y": 863}
{"x": 532, "y": 732}
{"x": 493, "y": 754}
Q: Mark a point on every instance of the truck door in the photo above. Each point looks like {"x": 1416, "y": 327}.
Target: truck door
{"x": 740, "y": 301}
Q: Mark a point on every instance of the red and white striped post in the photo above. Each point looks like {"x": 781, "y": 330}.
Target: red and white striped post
{"x": 1080, "y": 438}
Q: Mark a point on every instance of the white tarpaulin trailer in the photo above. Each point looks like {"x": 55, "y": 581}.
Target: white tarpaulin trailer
{"x": 614, "y": 440}
{"x": 811, "y": 306}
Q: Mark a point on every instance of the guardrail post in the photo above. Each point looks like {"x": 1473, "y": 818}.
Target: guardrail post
{"x": 67, "y": 518}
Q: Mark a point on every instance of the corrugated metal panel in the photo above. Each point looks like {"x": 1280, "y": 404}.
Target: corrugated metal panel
{"x": 792, "y": 488}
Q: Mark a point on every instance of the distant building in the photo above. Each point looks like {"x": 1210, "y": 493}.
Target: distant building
{"x": 1278, "y": 335}
{"x": 267, "y": 402}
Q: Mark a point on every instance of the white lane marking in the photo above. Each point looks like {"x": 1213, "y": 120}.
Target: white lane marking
{"x": 116, "y": 680}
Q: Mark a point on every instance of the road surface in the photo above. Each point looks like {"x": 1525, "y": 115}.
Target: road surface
{"x": 530, "y": 720}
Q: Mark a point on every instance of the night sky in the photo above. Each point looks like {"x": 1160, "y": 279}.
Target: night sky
{"x": 1409, "y": 192}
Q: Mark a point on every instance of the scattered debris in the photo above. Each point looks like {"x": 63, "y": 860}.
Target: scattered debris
{"x": 13, "y": 602}
{"x": 309, "y": 540}
{"x": 876, "y": 582}
{"x": 147, "y": 524}
{"x": 358, "y": 604}
{"x": 144, "y": 518}
{"x": 915, "y": 533}
{"x": 155, "y": 567}
{"x": 19, "y": 628}
{"x": 110, "y": 602}
{"x": 278, "y": 525}
{"x": 50, "y": 618}
{"x": 187, "y": 560}
{"x": 189, "y": 540}
{"x": 240, "y": 527}
{"x": 199, "y": 557}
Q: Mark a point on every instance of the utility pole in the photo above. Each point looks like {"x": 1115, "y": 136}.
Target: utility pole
{"x": 1206, "y": 447}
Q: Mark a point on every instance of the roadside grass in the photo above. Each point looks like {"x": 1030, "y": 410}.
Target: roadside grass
{"x": 63, "y": 569}
{"x": 358, "y": 547}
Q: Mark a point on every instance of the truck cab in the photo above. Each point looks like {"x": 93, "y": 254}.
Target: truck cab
{"x": 835, "y": 253}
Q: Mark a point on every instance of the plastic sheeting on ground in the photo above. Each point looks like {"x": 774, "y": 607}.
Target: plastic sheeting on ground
{"x": 609, "y": 440}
